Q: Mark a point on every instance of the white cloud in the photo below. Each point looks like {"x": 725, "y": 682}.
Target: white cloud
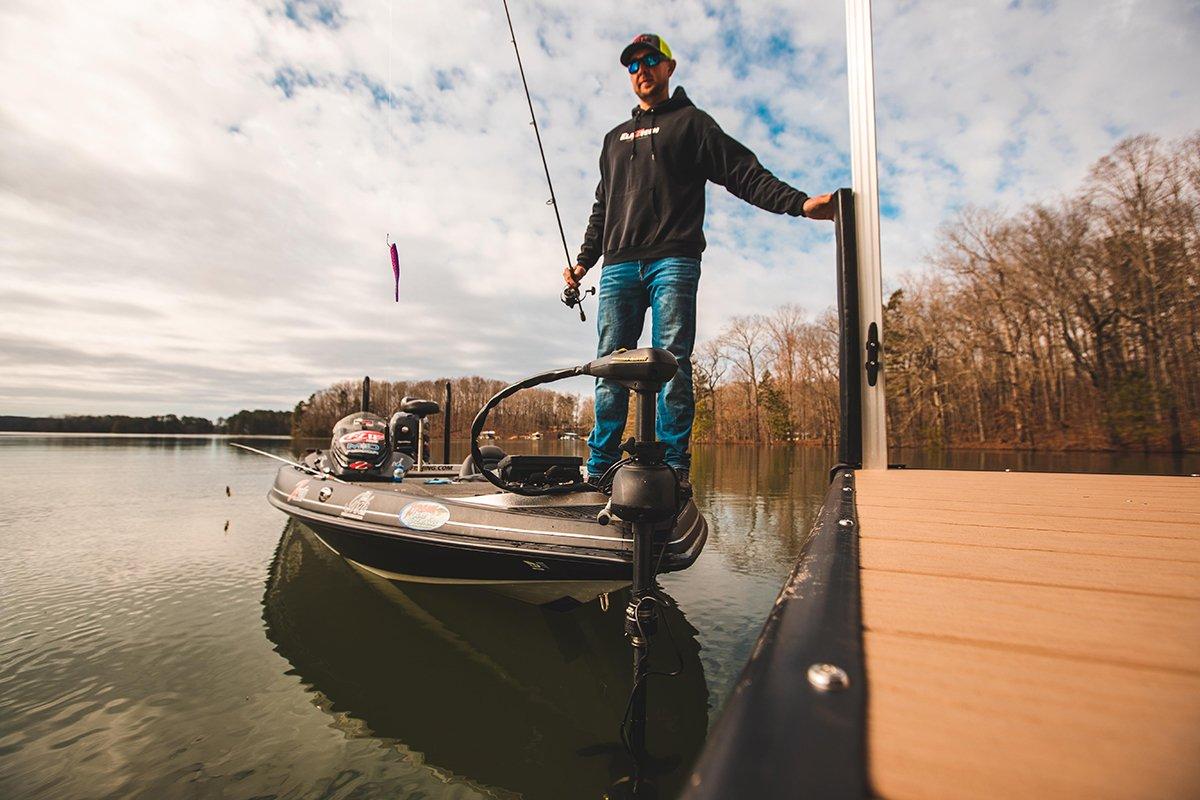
{"x": 194, "y": 197}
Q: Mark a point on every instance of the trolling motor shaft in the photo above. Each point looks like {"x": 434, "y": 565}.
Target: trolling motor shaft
{"x": 645, "y": 493}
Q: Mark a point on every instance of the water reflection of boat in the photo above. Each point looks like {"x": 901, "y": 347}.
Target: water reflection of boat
{"x": 490, "y": 690}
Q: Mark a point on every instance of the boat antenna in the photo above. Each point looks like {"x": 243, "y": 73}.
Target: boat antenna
{"x": 553, "y": 201}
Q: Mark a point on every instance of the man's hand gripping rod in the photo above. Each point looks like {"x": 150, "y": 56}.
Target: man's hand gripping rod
{"x": 571, "y": 298}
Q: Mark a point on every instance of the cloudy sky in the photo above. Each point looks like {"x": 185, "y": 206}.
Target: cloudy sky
{"x": 194, "y": 197}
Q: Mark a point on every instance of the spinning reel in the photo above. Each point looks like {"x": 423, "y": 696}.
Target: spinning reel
{"x": 572, "y": 298}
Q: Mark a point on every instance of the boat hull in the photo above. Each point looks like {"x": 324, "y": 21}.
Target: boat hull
{"x": 538, "y": 551}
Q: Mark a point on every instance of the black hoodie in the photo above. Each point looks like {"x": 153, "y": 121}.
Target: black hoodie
{"x": 650, "y": 200}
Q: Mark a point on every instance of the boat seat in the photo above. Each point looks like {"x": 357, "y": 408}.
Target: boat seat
{"x": 418, "y": 408}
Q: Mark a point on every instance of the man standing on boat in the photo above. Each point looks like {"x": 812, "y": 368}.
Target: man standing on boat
{"x": 647, "y": 224}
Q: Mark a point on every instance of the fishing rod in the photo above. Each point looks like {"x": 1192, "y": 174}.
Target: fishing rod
{"x": 570, "y": 295}
{"x": 296, "y": 464}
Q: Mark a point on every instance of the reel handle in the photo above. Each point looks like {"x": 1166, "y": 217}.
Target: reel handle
{"x": 571, "y": 298}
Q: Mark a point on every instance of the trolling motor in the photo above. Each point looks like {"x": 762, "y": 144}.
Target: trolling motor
{"x": 571, "y": 298}
{"x": 645, "y": 492}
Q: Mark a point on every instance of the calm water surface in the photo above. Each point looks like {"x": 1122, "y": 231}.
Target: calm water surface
{"x": 162, "y": 639}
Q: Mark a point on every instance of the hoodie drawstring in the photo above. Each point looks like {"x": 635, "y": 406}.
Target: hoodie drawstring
{"x": 637, "y": 121}
{"x": 652, "y": 134}
{"x": 637, "y": 117}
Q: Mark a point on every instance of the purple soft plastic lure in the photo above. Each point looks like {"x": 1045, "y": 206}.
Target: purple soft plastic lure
{"x": 395, "y": 269}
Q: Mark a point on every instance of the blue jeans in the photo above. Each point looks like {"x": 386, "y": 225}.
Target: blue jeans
{"x": 666, "y": 286}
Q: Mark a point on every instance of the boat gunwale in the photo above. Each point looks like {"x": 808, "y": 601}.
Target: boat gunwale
{"x": 671, "y": 561}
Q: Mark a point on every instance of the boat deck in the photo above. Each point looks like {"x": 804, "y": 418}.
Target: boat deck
{"x": 1031, "y": 635}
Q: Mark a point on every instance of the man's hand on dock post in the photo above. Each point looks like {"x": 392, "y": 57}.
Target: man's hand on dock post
{"x": 820, "y": 207}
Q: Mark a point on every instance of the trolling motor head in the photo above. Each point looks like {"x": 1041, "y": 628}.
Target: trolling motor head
{"x": 572, "y": 298}
{"x": 645, "y": 369}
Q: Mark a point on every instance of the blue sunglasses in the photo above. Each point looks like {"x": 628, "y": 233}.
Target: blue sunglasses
{"x": 650, "y": 60}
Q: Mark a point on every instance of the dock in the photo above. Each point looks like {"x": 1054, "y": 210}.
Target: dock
{"x": 1030, "y": 635}
{"x": 950, "y": 634}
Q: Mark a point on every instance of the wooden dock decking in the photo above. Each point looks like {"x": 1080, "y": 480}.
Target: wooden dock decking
{"x": 1031, "y": 635}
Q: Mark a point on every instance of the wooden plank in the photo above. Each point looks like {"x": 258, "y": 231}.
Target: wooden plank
{"x": 1036, "y": 567}
{"x": 934, "y": 477}
{"x": 952, "y": 720}
{"x": 876, "y": 525}
{"x": 1111, "y": 627}
{"x": 1176, "y": 494}
{"x": 969, "y": 504}
{"x": 983, "y": 515}
{"x": 1169, "y": 508}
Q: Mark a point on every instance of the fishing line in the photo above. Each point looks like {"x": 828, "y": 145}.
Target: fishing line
{"x": 553, "y": 201}
{"x": 391, "y": 147}
{"x": 310, "y": 470}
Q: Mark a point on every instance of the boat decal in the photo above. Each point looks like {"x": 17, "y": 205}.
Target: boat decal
{"x": 424, "y": 515}
{"x": 357, "y": 508}
{"x": 536, "y": 566}
{"x": 358, "y": 465}
{"x": 368, "y": 437}
{"x": 362, "y": 449}
{"x": 299, "y": 491}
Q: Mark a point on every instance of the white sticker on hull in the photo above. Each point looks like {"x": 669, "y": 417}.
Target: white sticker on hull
{"x": 357, "y": 508}
{"x": 299, "y": 491}
{"x": 424, "y": 515}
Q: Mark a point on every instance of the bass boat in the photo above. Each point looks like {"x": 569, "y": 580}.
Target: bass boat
{"x": 528, "y": 526}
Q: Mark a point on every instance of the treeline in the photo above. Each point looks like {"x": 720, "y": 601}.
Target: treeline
{"x": 1066, "y": 325}
{"x": 522, "y": 414}
{"x": 259, "y": 422}
{"x": 242, "y": 423}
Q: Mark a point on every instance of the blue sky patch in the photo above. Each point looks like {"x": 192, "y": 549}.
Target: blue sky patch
{"x": 288, "y": 79}
{"x": 307, "y": 13}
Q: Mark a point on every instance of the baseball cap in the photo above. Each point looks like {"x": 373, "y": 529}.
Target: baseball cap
{"x": 651, "y": 40}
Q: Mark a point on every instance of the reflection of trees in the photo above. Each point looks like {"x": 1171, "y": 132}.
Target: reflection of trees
{"x": 1067, "y": 324}
{"x": 760, "y": 501}
{"x": 482, "y": 689}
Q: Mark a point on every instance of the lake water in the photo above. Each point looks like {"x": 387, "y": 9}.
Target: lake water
{"x": 161, "y": 638}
